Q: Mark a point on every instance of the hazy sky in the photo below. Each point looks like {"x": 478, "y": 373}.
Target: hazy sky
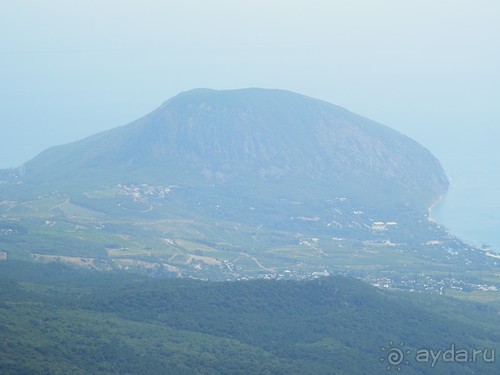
{"x": 428, "y": 68}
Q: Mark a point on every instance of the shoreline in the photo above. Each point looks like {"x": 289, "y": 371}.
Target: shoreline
{"x": 491, "y": 248}
{"x": 439, "y": 200}
{"x": 431, "y": 207}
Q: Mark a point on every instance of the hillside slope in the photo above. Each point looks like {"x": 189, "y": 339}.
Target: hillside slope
{"x": 252, "y": 139}
{"x": 57, "y": 320}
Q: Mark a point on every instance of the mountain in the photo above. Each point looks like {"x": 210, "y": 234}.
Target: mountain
{"x": 242, "y": 184}
{"x": 279, "y": 143}
{"x": 230, "y": 186}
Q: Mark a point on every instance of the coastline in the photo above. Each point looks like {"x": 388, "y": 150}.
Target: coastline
{"x": 431, "y": 207}
{"x": 438, "y": 200}
{"x": 464, "y": 229}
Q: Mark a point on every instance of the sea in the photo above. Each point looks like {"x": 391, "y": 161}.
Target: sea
{"x": 471, "y": 208}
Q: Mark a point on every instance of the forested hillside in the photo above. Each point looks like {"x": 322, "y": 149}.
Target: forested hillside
{"x": 55, "y": 319}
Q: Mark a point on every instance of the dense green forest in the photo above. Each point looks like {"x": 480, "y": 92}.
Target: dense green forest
{"x": 55, "y": 319}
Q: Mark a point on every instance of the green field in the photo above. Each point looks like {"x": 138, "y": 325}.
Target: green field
{"x": 111, "y": 229}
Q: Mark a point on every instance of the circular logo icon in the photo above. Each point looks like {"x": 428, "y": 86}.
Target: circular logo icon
{"x": 395, "y": 356}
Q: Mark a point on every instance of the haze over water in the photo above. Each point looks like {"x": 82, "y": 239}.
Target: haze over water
{"x": 471, "y": 208}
